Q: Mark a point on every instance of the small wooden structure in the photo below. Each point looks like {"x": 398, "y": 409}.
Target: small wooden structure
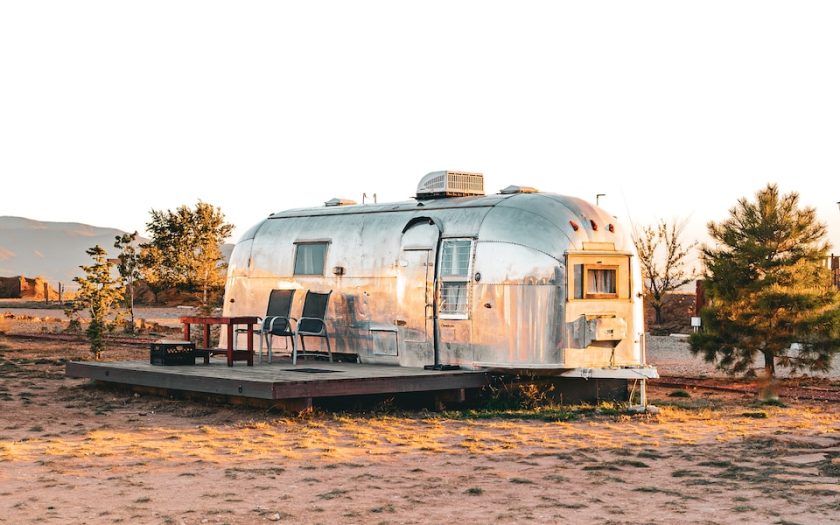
{"x": 280, "y": 381}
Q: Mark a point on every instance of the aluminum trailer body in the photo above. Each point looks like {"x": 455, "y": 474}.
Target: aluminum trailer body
{"x": 517, "y": 281}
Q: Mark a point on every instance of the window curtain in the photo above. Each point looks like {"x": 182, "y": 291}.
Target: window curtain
{"x": 455, "y": 259}
{"x": 454, "y": 298}
{"x": 601, "y": 281}
{"x": 310, "y": 259}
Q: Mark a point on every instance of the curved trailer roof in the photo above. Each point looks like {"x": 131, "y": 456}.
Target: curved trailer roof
{"x": 543, "y": 221}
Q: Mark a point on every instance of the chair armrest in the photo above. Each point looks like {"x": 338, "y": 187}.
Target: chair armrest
{"x": 271, "y": 320}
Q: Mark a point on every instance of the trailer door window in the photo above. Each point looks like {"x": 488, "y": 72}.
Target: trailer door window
{"x": 455, "y": 262}
{"x": 309, "y": 258}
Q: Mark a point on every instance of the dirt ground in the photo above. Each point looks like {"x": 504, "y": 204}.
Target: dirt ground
{"x": 74, "y": 453}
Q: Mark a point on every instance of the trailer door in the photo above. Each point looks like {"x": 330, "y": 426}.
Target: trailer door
{"x": 415, "y": 289}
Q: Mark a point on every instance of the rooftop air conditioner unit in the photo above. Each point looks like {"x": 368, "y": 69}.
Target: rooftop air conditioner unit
{"x": 440, "y": 184}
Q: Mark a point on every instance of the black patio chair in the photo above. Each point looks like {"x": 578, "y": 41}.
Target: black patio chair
{"x": 277, "y": 320}
{"x": 311, "y": 323}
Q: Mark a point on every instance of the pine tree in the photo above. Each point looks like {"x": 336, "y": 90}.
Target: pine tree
{"x": 768, "y": 288}
{"x": 99, "y": 293}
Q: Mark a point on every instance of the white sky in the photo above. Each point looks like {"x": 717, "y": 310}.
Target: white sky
{"x": 109, "y": 109}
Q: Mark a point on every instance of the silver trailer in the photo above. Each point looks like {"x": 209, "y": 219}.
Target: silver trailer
{"x": 518, "y": 281}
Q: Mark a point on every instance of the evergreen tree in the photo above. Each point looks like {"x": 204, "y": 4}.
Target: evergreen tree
{"x": 768, "y": 289}
{"x": 129, "y": 268}
{"x": 185, "y": 251}
{"x": 99, "y": 293}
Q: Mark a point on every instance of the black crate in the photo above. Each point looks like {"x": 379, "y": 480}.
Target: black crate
{"x": 172, "y": 353}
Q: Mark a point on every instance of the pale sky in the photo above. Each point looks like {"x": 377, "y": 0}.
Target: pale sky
{"x": 673, "y": 109}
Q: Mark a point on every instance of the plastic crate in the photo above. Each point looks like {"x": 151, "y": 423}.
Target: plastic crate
{"x": 172, "y": 353}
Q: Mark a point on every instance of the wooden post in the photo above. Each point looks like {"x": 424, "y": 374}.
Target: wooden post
{"x": 60, "y": 293}
{"x": 46, "y": 292}
{"x": 699, "y": 296}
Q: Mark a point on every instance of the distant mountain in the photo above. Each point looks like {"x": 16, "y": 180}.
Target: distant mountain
{"x": 53, "y": 250}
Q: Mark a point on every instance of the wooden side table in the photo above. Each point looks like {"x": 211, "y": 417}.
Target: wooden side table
{"x": 231, "y": 322}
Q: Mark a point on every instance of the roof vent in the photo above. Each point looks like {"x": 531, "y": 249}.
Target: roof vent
{"x": 519, "y": 189}
{"x": 440, "y": 184}
{"x": 339, "y": 202}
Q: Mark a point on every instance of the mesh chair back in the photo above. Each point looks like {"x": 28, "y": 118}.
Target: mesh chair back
{"x": 280, "y": 303}
{"x": 315, "y": 306}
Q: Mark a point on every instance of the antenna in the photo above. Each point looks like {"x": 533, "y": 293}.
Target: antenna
{"x": 598, "y": 198}
{"x": 365, "y": 196}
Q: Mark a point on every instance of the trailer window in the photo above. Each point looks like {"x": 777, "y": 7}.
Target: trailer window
{"x": 455, "y": 261}
{"x": 598, "y": 276}
{"x": 453, "y": 298}
{"x": 309, "y": 258}
{"x": 600, "y": 283}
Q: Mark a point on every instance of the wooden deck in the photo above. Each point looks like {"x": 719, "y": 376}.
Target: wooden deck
{"x": 279, "y": 380}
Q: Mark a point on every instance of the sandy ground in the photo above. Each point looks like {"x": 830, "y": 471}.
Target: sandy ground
{"x": 72, "y": 453}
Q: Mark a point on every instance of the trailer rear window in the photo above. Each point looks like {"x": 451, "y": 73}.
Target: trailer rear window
{"x": 600, "y": 283}
{"x": 599, "y": 280}
{"x": 309, "y": 258}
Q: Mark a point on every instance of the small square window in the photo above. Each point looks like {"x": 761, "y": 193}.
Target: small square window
{"x": 310, "y": 257}
{"x": 598, "y": 276}
{"x": 601, "y": 283}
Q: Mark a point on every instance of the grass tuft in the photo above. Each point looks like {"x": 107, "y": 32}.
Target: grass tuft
{"x": 682, "y": 473}
{"x": 715, "y": 463}
{"x": 772, "y": 403}
{"x": 657, "y": 490}
{"x": 755, "y": 415}
{"x": 335, "y": 493}
{"x": 521, "y": 481}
